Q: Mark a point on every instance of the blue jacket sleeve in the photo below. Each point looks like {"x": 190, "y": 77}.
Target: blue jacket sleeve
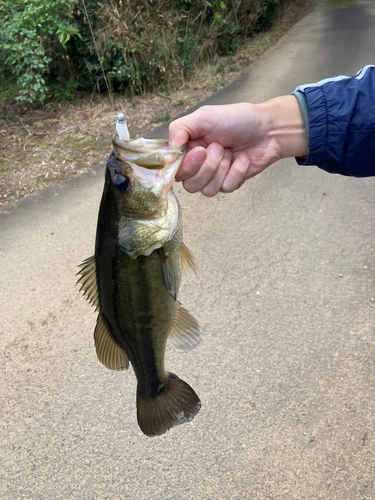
{"x": 342, "y": 124}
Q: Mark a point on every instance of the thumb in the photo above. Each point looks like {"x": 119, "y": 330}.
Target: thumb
{"x": 178, "y": 135}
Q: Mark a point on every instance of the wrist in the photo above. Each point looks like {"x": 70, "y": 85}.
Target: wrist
{"x": 285, "y": 125}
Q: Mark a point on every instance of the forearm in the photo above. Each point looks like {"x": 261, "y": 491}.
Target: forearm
{"x": 284, "y": 124}
{"x": 342, "y": 123}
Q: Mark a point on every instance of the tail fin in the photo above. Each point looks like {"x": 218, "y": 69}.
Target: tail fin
{"x": 176, "y": 404}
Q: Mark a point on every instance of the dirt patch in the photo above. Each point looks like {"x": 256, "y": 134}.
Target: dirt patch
{"x": 42, "y": 147}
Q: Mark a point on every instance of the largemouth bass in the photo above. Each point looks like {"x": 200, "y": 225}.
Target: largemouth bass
{"x": 134, "y": 277}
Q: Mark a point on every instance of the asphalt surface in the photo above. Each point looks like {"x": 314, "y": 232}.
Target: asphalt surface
{"x": 286, "y": 367}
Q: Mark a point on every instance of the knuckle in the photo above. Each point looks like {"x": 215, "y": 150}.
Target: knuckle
{"x": 205, "y": 109}
{"x": 237, "y": 173}
{"x": 210, "y": 168}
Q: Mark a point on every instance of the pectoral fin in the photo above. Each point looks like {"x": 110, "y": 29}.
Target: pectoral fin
{"x": 109, "y": 353}
{"x": 167, "y": 272}
{"x": 88, "y": 281}
{"x": 185, "y": 333}
{"x": 187, "y": 261}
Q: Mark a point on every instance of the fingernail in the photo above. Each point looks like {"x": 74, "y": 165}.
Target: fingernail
{"x": 227, "y": 152}
{"x": 199, "y": 157}
{"x": 216, "y": 149}
{"x": 243, "y": 157}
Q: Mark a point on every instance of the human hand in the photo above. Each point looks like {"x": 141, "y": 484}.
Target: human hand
{"x": 229, "y": 144}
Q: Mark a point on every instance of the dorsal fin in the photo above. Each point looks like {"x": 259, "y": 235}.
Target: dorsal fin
{"x": 109, "y": 353}
{"x": 88, "y": 281}
{"x": 185, "y": 333}
{"x": 187, "y": 261}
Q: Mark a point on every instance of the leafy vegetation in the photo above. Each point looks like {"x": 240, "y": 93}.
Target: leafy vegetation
{"x": 55, "y": 49}
{"x": 29, "y": 35}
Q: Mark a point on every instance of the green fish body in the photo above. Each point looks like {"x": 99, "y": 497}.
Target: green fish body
{"x": 134, "y": 277}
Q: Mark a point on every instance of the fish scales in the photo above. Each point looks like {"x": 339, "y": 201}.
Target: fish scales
{"x": 134, "y": 277}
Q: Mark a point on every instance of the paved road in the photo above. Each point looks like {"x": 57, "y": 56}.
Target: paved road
{"x": 286, "y": 369}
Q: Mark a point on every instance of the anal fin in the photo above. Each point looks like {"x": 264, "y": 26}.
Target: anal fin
{"x": 109, "y": 353}
{"x": 185, "y": 333}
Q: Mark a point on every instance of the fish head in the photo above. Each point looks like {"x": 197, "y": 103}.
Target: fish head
{"x": 140, "y": 174}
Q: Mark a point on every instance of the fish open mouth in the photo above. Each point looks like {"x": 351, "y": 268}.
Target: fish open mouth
{"x": 150, "y": 160}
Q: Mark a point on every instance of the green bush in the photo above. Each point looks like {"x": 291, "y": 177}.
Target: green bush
{"x": 269, "y": 10}
{"x": 139, "y": 45}
{"x": 29, "y": 34}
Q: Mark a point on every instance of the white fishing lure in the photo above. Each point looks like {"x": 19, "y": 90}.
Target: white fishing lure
{"x": 122, "y": 128}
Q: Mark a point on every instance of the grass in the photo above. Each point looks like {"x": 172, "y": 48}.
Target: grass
{"x": 220, "y": 69}
{"x": 133, "y": 102}
{"x": 337, "y": 4}
{"x": 44, "y": 181}
{"x": 262, "y": 42}
{"x": 161, "y": 118}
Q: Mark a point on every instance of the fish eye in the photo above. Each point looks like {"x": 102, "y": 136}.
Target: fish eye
{"x": 121, "y": 183}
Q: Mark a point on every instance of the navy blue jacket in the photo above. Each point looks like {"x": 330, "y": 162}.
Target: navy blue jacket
{"x": 342, "y": 123}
